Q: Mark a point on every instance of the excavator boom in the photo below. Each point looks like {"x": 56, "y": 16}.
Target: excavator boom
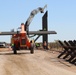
{"x": 32, "y": 14}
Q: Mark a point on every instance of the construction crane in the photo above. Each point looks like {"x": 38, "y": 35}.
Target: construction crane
{"x": 32, "y": 14}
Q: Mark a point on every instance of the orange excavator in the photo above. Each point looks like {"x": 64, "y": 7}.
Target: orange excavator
{"x": 21, "y": 40}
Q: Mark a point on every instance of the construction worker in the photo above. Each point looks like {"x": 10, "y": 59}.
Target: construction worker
{"x": 37, "y": 45}
{"x": 12, "y": 46}
{"x": 45, "y": 45}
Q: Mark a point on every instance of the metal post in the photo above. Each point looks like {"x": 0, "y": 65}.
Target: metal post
{"x": 45, "y": 27}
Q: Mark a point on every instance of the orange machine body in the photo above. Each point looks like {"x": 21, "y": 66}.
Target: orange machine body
{"x": 21, "y": 40}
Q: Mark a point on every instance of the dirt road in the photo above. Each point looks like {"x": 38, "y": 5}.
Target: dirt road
{"x": 39, "y": 63}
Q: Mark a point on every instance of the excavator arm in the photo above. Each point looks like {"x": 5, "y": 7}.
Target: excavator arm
{"x": 32, "y": 14}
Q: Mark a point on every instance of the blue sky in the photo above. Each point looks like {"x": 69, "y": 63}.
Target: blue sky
{"x": 61, "y": 17}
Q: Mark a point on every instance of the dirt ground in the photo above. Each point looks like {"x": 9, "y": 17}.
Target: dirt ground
{"x": 40, "y": 63}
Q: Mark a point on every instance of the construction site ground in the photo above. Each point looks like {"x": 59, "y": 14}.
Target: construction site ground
{"x": 42, "y": 62}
